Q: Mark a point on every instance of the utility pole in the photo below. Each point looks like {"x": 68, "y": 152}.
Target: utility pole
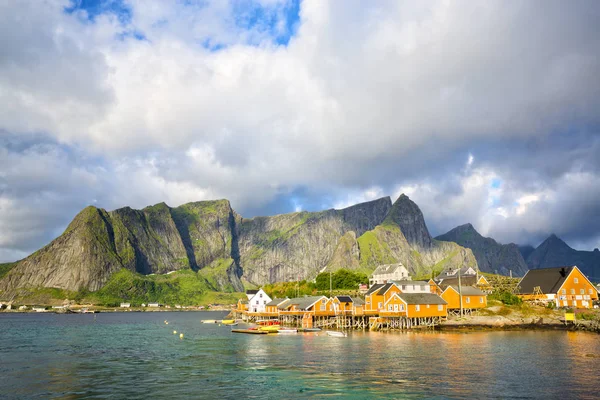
{"x": 330, "y": 285}
{"x": 460, "y": 294}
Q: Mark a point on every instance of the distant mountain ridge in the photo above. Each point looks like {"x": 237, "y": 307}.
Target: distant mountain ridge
{"x": 491, "y": 256}
{"x": 554, "y": 252}
{"x": 229, "y": 251}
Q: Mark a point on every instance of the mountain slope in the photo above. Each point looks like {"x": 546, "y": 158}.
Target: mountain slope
{"x": 222, "y": 248}
{"x": 554, "y": 252}
{"x": 491, "y": 256}
{"x": 388, "y": 243}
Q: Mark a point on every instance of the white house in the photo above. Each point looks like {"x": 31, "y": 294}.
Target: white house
{"x": 125, "y": 305}
{"x": 408, "y": 286}
{"x": 389, "y": 272}
{"x": 257, "y": 301}
{"x": 453, "y": 272}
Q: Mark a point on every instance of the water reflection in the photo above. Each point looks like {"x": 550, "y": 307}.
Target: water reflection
{"x": 136, "y": 355}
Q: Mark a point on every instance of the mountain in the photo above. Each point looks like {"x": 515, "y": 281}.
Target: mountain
{"x": 228, "y": 251}
{"x": 526, "y": 250}
{"x": 491, "y": 256}
{"x": 554, "y": 252}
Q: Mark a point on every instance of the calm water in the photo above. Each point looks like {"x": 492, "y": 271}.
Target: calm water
{"x": 135, "y": 355}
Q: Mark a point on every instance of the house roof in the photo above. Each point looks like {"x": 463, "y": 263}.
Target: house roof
{"x": 387, "y": 269}
{"x": 374, "y": 288}
{"x": 305, "y": 302}
{"x": 385, "y": 288}
{"x": 452, "y": 272}
{"x": 407, "y": 282}
{"x": 276, "y": 301}
{"x": 468, "y": 291}
{"x": 548, "y": 279}
{"x": 284, "y": 304}
{"x": 251, "y": 291}
{"x": 358, "y": 301}
{"x": 421, "y": 298}
{"x": 344, "y": 299}
{"x": 469, "y": 280}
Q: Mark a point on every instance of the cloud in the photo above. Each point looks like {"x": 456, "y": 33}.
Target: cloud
{"x": 279, "y": 105}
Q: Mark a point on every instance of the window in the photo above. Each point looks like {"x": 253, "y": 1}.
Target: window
{"x": 575, "y": 280}
{"x": 256, "y": 301}
{"x": 417, "y": 308}
{"x": 403, "y": 287}
{"x": 564, "y": 291}
{"x": 323, "y": 307}
{"x": 590, "y": 291}
{"x": 380, "y": 305}
{"x": 265, "y": 302}
{"x": 324, "y": 301}
{"x": 481, "y": 300}
{"x": 440, "y": 307}
{"x": 468, "y": 300}
{"x": 390, "y": 307}
{"x": 427, "y": 305}
{"x": 401, "y": 307}
{"x": 260, "y": 295}
{"x": 582, "y": 291}
{"x": 572, "y": 291}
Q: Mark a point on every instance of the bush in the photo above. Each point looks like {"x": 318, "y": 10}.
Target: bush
{"x": 506, "y": 297}
{"x": 551, "y": 305}
{"x": 340, "y": 279}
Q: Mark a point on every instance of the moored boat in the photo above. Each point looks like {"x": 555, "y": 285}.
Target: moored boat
{"x": 287, "y": 330}
{"x": 337, "y": 334}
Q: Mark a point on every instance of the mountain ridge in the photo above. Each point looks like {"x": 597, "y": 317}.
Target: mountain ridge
{"x": 228, "y": 250}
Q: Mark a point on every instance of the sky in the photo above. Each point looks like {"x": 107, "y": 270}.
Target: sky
{"x": 482, "y": 112}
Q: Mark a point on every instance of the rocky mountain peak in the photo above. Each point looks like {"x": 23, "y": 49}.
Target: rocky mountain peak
{"x": 408, "y": 216}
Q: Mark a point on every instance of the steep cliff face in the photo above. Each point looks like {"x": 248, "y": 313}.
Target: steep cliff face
{"x": 554, "y": 252}
{"x": 491, "y": 256}
{"x": 389, "y": 243}
{"x": 222, "y": 247}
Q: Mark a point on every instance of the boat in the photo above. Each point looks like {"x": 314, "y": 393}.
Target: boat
{"x": 267, "y": 322}
{"x": 234, "y": 324}
{"x": 309, "y": 330}
{"x": 228, "y": 321}
{"x": 337, "y": 334}
{"x": 287, "y": 330}
{"x": 250, "y": 331}
{"x": 269, "y": 329}
{"x": 210, "y": 321}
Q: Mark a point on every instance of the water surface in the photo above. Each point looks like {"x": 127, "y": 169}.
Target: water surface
{"x": 135, "y": 355}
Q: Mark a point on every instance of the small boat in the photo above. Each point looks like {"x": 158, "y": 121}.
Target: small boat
{"x": 267, "y": 322}
{"x": 269, "y": 329}
{"x": 234, "y": 324}
{"x": 250, "y": 331}
{"x": 210, "y": 321}
{"x": 337, "y": 334}
{"x": 287, "y": 330}
{"x": 309, "y": 330}
{"x": 228, "y": 321}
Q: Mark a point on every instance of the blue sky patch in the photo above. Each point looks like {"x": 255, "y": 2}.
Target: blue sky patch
{"x": 93, "y": 8}
{"x": 280, "y": 22}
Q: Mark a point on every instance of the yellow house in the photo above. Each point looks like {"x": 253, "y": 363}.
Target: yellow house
{"x": 273, "y": 306}
{"x": 472, "y": 298}
{"x": 415, "y": 305}
{"x": 565, "y": 286}
{"x": 378, "y": 295}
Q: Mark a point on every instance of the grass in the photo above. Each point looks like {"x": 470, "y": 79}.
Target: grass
{"x": 5, "y": 268}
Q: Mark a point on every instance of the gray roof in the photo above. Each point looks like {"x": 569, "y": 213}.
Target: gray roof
{"x": 421, "y": 298}
{"x": 469, "y": 280}
{"x": 285, "y": 304}
{"x": 469, "y": 291}
{"x": 387, "y": 269}
{"x": 276, "y": 301}
{"x": 548, "y": 279}
{"x": 406, "y": 282}
{"x": 385, "y": 288}
{"x": 374, "y": 288}
{"x": 304, "y": 302}
{"x": 344, "y": 299}
{"x": 358, "y": 301}
{"x": 447, "y": 272}
{"x": 252, "y": 291}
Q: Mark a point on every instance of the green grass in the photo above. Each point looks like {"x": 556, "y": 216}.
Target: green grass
{"x": 5, "y": 268}
{"x": 374, "y": 252}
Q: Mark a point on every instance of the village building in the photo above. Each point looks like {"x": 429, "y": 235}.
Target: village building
{"x": 454, "y": 272}
{"x": 409, "y": 286}
{"x": 378, "y": 294}
{"x": 565, "y": 286}
{"x": 125, "y": 305}
{"x": 472, "y": 298}
{"x": 273, "y": 306}
{"x": 154, "y": 305}
{"x": 257, "y": 300}
{"x": 416, "y": 305}
{"x": 389, "y": 272}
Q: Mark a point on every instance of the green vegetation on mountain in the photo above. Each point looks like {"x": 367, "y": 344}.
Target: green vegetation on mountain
{"x": 207, "y": 246}
{"x": 340, "y": 279}
{"x": 5, "y": 268}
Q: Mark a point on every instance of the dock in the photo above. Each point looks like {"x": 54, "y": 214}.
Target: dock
{"x": 250, "y": 331}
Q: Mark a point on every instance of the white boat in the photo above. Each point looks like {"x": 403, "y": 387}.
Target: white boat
{"x": 285, "y": 330}
{"x": 337, "y": 334}
{"x": 210, "y": 321}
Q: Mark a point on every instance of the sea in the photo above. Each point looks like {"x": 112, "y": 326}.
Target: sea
{"x": 135, "y": 355}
